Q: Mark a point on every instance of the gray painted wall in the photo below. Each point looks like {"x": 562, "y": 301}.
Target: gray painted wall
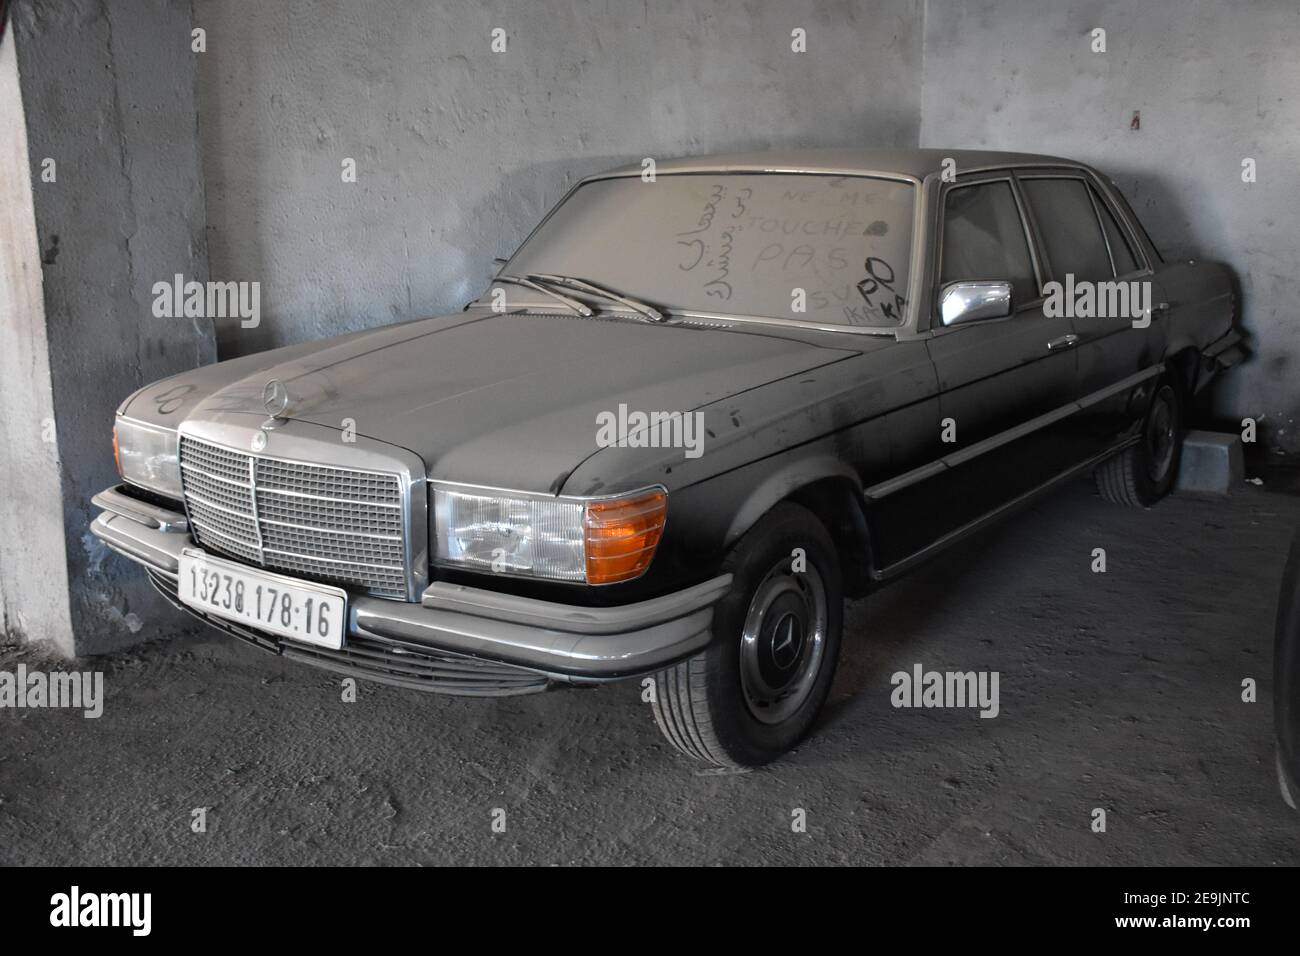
{"x": 460, "y": 151}
{"x": 108, "y": 91}
{"x": 1214, "y": 83}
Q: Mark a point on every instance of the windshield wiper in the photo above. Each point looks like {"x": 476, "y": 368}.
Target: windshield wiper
{"x": 636, "y": 305}
{"x": 530, "y": 283}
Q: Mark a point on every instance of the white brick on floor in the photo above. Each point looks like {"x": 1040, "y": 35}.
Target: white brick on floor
{"x": 1212, "y": 463}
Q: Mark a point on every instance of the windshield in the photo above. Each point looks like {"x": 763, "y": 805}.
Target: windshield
{"x": 830, "y": 250}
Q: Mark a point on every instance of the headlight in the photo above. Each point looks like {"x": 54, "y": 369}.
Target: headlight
{"x": 146, "y": 456}
{"x": 592, "y": 540}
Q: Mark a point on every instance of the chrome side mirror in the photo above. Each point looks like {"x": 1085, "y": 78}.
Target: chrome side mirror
{"x": 974, "y": 301}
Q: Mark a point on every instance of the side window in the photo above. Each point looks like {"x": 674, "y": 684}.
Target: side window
{"x": 1069, "y": 229}
{"x": 1125, "y": 260}
{"x": 1127, "y": 208}
{"x": 983, "y": 238}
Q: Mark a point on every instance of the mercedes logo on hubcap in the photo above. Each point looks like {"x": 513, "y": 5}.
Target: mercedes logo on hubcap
{"x": 787, "y": 639}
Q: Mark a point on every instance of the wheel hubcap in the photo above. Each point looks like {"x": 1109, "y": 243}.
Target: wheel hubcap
{"x": 1161, "y": 435}
{"x": 783, "y": 642}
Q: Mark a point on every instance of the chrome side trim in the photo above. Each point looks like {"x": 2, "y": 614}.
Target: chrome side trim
{"x": 916, "y": 475}
{"x": 953, "y": 537}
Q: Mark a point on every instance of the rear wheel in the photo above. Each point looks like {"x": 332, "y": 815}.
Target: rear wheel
{"x": 1144, "y": 473}
{"x": 755, "y": 692}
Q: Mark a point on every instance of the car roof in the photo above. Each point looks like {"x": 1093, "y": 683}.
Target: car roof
{"x": 917, "y": 163}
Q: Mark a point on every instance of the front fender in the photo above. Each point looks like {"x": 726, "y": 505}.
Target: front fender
{"x": 783, "y": 482}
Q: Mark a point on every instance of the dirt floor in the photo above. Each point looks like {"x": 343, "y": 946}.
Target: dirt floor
{"x": 1120, "y": 690}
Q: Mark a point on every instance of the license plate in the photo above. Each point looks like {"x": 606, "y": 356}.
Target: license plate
{"x": 302, "y": 610}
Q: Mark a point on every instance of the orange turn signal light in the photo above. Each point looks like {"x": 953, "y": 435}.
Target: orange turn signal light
{"x": 117, "y": 455}
{"x": 621, "y": 535}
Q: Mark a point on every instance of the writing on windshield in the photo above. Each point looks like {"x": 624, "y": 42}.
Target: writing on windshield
{"x": 823, "y": 249}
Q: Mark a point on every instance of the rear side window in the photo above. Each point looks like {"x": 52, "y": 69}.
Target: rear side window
{"x": 983, "y": 238}
{"x": 1127, "y": 208}
{"x": 1071, "y": 234}
{"x": 1125, "y": 261}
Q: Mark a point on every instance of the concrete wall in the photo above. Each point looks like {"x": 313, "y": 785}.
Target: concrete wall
{"x": 108, "y": 91}
{"x": 460, "y": 151}
{"x": 33, "y": 574}
{"x": 1214, "y": 83}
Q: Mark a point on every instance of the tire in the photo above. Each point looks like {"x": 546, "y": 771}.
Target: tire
{"x": 756, "y": 690}
{"x": 1143, "y": 473}
{"x": 1284, "y": 784}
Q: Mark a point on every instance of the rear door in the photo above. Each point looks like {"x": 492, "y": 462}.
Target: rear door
{"x": 1109, "y": 287}
{"x": 1084, "y": 242}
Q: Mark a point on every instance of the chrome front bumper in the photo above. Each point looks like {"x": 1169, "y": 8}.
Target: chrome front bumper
{"x": 556, "y": 642}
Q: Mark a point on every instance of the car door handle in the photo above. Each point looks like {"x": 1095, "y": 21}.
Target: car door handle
{"x": 1064, "y": 342}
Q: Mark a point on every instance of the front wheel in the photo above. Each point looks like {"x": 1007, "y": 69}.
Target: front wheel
{"x": 755, "y": 692}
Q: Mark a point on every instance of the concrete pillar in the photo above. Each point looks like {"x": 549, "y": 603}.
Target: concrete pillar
{"x": 33, "y": 566}
{"x": 104, "y": 199}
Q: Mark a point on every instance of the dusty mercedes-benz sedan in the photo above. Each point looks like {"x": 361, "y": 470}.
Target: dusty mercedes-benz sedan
{"x": 692, "y": 412}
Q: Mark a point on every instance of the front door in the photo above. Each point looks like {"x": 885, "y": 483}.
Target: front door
{"x": 998, "y": 377}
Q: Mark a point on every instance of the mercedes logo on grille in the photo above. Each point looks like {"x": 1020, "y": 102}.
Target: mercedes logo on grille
{"x": 275, "y": 398}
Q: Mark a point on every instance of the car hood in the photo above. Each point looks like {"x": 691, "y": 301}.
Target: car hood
{"x": 511, "y": 400}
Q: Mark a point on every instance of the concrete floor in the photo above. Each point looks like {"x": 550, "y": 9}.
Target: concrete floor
{"x": 1119, "y": 690}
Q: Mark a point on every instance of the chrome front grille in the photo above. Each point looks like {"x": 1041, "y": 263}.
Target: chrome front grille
{"x": 327, "y": 524}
